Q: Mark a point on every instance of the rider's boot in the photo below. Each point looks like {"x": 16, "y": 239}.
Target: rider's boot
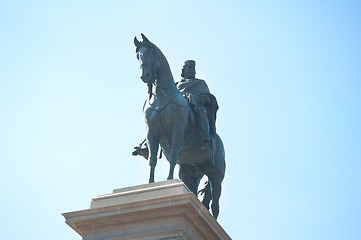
{"x": 203, "y": 128}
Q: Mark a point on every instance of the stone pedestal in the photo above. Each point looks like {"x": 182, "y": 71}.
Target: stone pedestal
{"x": 162, "y": 210}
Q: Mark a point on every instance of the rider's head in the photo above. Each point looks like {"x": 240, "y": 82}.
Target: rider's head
{"x": 189, "y": 69}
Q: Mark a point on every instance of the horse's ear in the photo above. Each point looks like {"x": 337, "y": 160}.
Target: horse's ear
{"x": 136, "y": 42}
{"x": 144, "y": 37}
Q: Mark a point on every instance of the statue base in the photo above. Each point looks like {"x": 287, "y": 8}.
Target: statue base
{"x": 162, "y": 210}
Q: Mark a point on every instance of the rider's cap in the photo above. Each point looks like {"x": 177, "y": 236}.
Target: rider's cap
{"x": 190, "y": 63}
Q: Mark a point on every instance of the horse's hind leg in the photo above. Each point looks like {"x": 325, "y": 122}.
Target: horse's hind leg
{"x": 191, "y": 180}
{"x": 216, "y": 186}
{"x": 207, "y": 195}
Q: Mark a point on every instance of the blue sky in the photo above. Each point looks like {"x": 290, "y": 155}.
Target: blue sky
{"x": 286, "y": 74}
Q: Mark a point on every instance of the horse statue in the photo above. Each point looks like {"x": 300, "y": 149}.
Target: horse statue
{"x": 170, "y": 124}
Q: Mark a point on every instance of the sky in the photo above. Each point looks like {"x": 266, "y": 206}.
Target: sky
{"x": 286, "y": 75}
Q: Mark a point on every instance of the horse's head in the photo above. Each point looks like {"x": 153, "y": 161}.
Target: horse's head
{"x": 148, "y": 59}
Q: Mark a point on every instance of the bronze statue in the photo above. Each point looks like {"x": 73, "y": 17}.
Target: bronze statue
{"x": 172, "y": 125}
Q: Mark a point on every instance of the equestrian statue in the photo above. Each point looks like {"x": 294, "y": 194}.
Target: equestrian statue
{"x": 180, "y": 119}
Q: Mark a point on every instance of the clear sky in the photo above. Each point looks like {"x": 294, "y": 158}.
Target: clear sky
{"x": 287, "y": 76}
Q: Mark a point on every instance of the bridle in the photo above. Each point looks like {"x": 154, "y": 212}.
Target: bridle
{"x": 153, "y": 67}
{"x": 156, "y": 59}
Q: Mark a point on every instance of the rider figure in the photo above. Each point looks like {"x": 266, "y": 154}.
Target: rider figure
{"x": 203, "y": 103}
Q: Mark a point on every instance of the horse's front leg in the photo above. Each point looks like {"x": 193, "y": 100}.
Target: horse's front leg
{"x": 153, "y": 146}
{"x": 177, "y": 142}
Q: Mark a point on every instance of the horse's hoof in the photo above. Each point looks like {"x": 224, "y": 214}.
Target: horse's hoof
{"x": 169, "y": 178}
{"x": 151, "y": 180}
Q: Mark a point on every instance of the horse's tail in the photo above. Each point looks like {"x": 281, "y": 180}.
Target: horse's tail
{"x": 206, "y": 190}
